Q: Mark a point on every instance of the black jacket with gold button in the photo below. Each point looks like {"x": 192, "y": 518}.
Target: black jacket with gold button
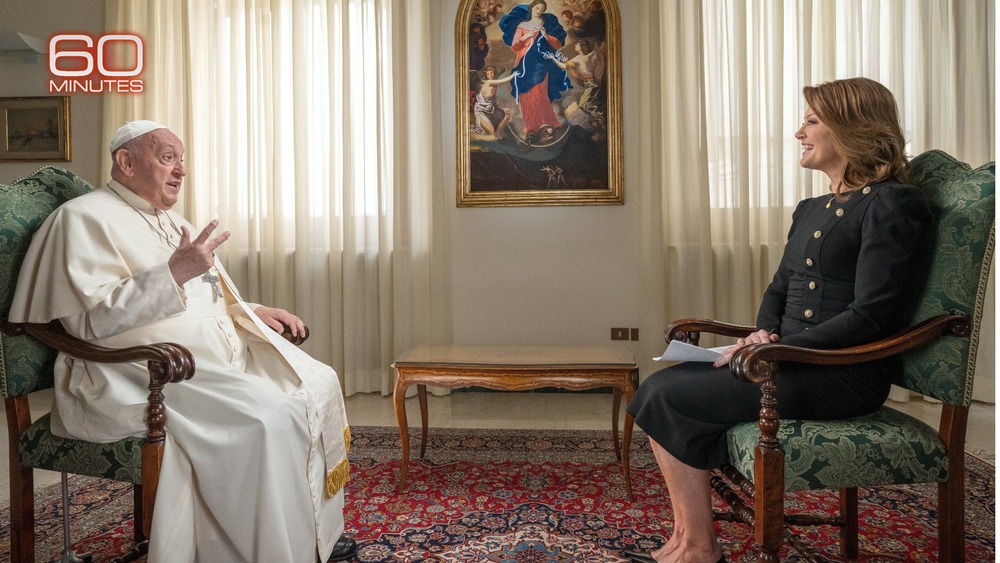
{"x": 851, "y": 269}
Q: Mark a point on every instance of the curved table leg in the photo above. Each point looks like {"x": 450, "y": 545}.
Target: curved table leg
{"x": 422, "y": 397}
{"x": 399, "y": 404}
{"x": 616, "y": 405}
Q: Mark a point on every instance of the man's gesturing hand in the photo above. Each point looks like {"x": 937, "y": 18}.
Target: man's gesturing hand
{"x": 194, "y": 257}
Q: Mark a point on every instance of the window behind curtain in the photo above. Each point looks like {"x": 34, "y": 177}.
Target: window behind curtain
{"x": 758, "y": 56}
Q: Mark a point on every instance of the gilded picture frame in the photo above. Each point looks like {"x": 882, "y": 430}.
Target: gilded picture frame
{"x": 538, "y": 103}
{"x": 35, "y": 128}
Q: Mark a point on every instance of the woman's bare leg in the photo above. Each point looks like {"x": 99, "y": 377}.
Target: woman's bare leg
{"x": 694, "y": 537}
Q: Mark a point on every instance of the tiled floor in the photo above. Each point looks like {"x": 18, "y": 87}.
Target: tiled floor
{"x": 560, "y": 411}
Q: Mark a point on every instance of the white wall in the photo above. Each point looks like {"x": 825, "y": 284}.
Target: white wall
{"x": 543, "y": 275}
{"x": 42, "y": 19}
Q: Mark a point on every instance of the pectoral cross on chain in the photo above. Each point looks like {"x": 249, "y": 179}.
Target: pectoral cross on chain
{"x": 212, "y": 280}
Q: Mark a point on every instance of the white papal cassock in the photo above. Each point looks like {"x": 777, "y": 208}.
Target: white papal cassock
{"x": 256, "y": 449}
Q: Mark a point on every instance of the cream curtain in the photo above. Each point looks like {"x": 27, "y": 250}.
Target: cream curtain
{"x": 290, "y": 111}
{"x": 731, "y": 83}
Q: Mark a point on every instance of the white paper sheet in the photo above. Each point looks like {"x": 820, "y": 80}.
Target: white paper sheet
{"x": 678, "y": 351}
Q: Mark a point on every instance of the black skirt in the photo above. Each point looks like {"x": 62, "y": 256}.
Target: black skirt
{"x": 687, "y": 408}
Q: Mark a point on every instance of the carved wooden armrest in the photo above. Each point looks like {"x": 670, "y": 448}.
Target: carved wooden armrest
{"x": 167, "y": 362}
{"x": 755, "y": 362}
{"x": 286, "y": 333}
{"x": 689, "y": 330}
{"x": 750, "y": 362}
{"x": 173, "y": 361}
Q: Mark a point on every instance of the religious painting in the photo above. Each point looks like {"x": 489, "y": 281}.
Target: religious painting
{"x": 35, "y": 128}
{"x": 538, "y": 103}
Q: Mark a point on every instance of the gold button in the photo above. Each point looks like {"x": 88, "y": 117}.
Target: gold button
{"x": 867, "y": 190}
{"x": 808, "y": 313}
{"x": 809, "y": 261}
{"x": 840, "y": 213}
{"x": 812, "y": 285}
{"x": 817, "y": 234}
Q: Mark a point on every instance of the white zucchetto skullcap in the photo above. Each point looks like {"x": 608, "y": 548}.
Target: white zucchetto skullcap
{"x": 131, "y": 130}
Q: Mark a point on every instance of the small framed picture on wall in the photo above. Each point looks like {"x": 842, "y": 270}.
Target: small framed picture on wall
{"x": 35, "y": 128}
{"x": 539, "y": 105}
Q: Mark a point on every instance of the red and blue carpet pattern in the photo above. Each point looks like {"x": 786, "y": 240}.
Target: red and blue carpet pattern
{"x": 520, "y": 496}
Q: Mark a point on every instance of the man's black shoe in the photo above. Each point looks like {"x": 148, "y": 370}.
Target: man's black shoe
{"x": 344, "y": 550}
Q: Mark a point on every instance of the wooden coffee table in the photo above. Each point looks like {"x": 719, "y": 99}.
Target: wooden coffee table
{"x": 515, "y": 368}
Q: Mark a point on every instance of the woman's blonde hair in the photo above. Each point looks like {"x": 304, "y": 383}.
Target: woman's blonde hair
{"x": 864, "y": 120}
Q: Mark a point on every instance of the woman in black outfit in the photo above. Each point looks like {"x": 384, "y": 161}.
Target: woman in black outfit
{"x": 844, "y": 280}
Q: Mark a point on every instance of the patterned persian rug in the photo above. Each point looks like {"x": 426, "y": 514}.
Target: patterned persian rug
{"x": 531, "y": 496}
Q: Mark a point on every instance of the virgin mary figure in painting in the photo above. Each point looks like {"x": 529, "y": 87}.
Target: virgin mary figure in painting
{"x": 536, "y": 37}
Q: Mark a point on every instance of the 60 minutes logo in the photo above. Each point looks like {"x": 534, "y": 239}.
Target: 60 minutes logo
{"x": 80, "y": 63}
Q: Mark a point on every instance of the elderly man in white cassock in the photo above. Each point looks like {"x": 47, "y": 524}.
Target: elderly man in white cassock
{"x": 255, "y": 460}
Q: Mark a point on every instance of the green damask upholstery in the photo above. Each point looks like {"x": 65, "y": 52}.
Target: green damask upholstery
{"x": 884, "y": 448}
{"x": 959, "y": 271}
{"x": 889, "y": 447}
{"x": 25, "y": 363}
{"x": 119, "y": 461}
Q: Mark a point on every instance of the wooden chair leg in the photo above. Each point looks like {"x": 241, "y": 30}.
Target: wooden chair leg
{"x": 22, "y": 513}
{"x": 849, "y": 533}
{"x": 951, "y": 493}
{"x": 769, "y": 503}
{"x": 769, "y": 479}
{"x": 951, "y": 519}
{"x": 22, "y": 483}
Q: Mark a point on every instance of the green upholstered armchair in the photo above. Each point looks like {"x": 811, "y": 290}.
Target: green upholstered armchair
{"x": 27, "y": 354}
{"x": 776, "y": 455}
